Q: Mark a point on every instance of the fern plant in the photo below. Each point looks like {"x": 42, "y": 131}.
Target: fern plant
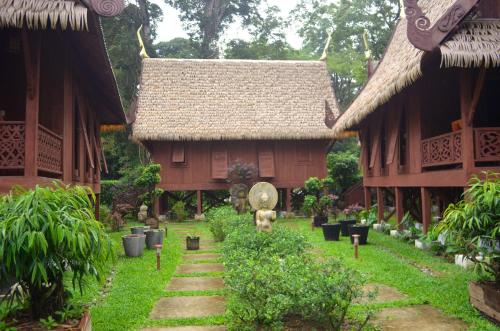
{"x": 46, "y": 233}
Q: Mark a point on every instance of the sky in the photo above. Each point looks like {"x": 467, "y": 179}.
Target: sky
{"x": 171, "y": 26}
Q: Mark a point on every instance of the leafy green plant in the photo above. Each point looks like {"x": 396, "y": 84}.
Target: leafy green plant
{"x": 5, "y": 327}
{"x": 370, "y": 215}
{"x": 354, "y": 210}
{"x": 45, "y": 233}
{"x": 179, "y": 209}
{"x": 148, "y": 179}
{"x": 48, "y": 323}
{"x": 317, "y": 200}
{"x": 69, "y": 312}
{"x": 222, "y": 219}
{"x": 473, "y": 224}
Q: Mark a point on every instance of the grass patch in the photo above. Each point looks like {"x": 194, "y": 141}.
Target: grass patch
{"x": 386, "y": 260}
{"x": 192, "y": 321}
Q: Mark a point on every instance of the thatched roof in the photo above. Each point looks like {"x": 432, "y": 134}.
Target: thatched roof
{"x": 233, "y": 100}
{"x": 475, "y": 44}
{"x": 37, "y": 14}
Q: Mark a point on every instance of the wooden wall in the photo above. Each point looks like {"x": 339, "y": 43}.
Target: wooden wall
{"x": 293, "y": 161}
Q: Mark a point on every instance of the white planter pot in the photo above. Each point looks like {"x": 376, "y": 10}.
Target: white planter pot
{"x": 422, "y": 244}
{"x": 463, "y": 261}
{"x": 394, "y": 233}
{"x": 419, "y": 226}
{"x": 378, "y": 227}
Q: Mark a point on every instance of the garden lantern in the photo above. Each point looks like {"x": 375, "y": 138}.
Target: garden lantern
{"x": 356, "y": 245}
{"x": 158, "y": 255}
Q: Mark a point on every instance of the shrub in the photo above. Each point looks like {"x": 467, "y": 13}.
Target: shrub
{"x": 179, "y": 209}
{"x": 344, "y": 167}
{"x": 104, "y": 213}
{"x": 271, "y": 278}
{"x": 108, "y": 190}
{"x": 45, "y": 233}
{"x": 149, "y": 177}
{"x": 472, "y": 226}
{"x": 317, "y": 200}
{"x": 222, "y": 219}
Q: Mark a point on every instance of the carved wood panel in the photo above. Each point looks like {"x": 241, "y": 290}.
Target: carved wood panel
{"x": 12, "y": 145}
{"x": 487, "y": 144}
{"x": 49, "y": 151}
{"x": 445, "y": 149}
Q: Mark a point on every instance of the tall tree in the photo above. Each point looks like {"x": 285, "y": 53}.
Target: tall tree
{"x": 207, "y": 19}
{"x": 180, "y": 48}
{"x": 347, "y": 19}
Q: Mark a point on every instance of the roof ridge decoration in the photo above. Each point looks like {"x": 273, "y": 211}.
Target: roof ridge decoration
{"x": 107, "y": 8}
{"x": 426, "y": 37}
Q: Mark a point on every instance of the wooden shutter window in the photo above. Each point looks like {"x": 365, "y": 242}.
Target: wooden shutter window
{"x": 178, "y": 153}
{"x": 393, "y": 137}
{"x": 266, "y": 163}
{"x": 375, "y": 141}
{"x": 219, "y": 163}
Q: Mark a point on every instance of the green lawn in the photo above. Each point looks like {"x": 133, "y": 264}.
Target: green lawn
{"x": 137, "y": 285}
{"x": 386, "y": 260}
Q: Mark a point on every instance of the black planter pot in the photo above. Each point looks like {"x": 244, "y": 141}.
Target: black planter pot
{"x": 331, "y": 232}
{"x": 362, "y": 230}
{"x": 192, "y": 244}
{"x": 320, "y": 220}
{"x": 344, "y": 225}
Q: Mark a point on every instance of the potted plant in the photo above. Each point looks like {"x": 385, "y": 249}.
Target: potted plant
{"x": 351, "y": 215}
{"x": 469, "y": 222}
{"x": 147, "y": 180}
{"x": 192, "y": 242}
{"x": 133, "y": 244}
{"x": 154, "y": 237}
{"x": 317, "y": 200}
{"x": 65, "y": 240}
{"x": 331, "y": 232}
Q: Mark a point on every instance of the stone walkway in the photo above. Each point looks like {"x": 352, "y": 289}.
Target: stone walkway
{"x": 190, "y": 278}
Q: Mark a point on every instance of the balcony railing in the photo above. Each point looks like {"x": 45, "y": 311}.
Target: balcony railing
{"x": 50, "y": 147}
{"x": 12, "y": 148}
{"x": 445, "y": 149}
{"x": 487, "y": 144}
{"x": 12, "y": 145}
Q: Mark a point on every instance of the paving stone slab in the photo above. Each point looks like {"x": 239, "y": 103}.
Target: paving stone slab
{"x": 417, "y": 318}
{"x": 200, "y": 257}
{"x": 182, "y": 307}
{"x": 195, "y": 283}
{"x": 189, "y": 328}
{"x": 384, "y": 293}
{"x": 200, "y": 267}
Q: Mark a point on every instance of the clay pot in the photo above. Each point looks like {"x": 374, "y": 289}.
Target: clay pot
{"x": 138, "y": 229}
{"x": 134, "y": 244}
{"x": 154, "y": 237}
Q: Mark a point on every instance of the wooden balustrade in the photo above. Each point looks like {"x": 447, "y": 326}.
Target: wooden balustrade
{"x": 487, "y": 144}
{"x": 49, "y": 151}
{"x": 445, "y": 149}
{"x": 12, "y": 145}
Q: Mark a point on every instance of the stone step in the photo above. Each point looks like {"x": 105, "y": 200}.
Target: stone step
{"x": 189, "y": 328}
{"x": 383, "y": 292}
{"x": 201, "y": 257}
{"x": 192, "y": 306}
{"x": 195, "y": 283}
{"x": 201, "y": 267}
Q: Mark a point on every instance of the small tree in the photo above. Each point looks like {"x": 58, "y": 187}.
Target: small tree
{"x": 344, "y": 167}
{"x": 472, "y": 226}
{"x": 148, "y": 179}
{"x": 317, "y": 199}
{"x": 44, "y": 234}
{"x": 240, "y": 175}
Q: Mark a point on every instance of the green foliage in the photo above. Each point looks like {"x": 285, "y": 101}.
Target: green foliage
{"x": 317, "y": 199}
{"x": 48, "y": 323}
{"x": 472, "y": 226}
{"x": 221, "y": 221}
{"x": 46, "y": 232}
{"x": 348, "y": 20}
{"x": 104, "y": 213}
{"x": 344, "y": 167}
{"x": 148, "y": 179}
{"x": 179, "y": 209}
{"x": 69, "y": 312}
{"x": 208, "y": 19}
{"x": 108, "y": 189}
{"x": 178, "y": 48}
{"x": 271, "y": 277}
{"x": 370, "y": 215}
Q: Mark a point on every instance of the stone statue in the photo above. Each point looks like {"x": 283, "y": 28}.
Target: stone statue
{"x": 239, "y": 197}
{"x": 263, "y": 198}
{"x": 142, "y": 215}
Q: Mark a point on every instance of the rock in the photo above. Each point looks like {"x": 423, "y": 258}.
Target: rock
{"x": 199, "y": 217}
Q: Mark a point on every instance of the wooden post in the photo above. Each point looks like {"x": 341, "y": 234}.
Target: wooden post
{"x": 68, "y": 121}
{"x": 199, "y": 202}
{"x": 398, "y": 201}
{"x": 368, "y": 197}
{"x": 288, "y": 193}
{"x": 426, "y": 208}
{"x": 31, "y": 48}
{"x": 467, "y": 130}
{"x": 380, "y": 205}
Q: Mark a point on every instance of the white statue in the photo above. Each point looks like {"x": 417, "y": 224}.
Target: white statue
{"x": 263, "y": 197}
{"x": 142, "y": 215}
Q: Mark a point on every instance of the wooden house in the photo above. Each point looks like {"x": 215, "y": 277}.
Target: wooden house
{"x": 197, "y": 117}
{"x": 428, "y": 117}
{"x": 56, "y": 89}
